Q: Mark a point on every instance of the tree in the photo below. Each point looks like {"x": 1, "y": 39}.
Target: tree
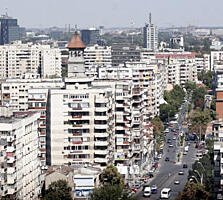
{"x": 110, "y": 192}
{"x": 111, "y": 176}
{"x": 193, "y": 191}
{"x": 112, "y": 186}
{"x": 58, "y": 190}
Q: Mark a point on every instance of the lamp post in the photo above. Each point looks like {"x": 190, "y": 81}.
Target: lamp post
{"x": 193, "y": 178}
{"x": 201, "y": 176}
{"x": 201, "y": 165}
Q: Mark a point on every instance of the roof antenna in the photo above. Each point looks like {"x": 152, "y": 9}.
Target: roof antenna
{"x": 150, "y": 18}
{"x": 6, "y": 12}
{"x": 75, "y": 29}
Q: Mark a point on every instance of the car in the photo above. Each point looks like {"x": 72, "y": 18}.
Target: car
{"x": 154, "y": 189}
{"x": 134, "y": 189}
{"x": 150, "y": 174}
{"x": 184, "y": 153}
{"x": 170, "y": 145}
{"x": 159, "y": 156}
{"x": 147, "y": 191}
{"x": 184, "y": 165}
{"x": 174, "y": 138}
{"x": 137, "y": 185}
{"x": 175, "y": 133}
{"x": 176, "y": 182}
{"x": 169, "y": 140}
{"x": 167, "y": 159}
{"x": 181, "y": 172}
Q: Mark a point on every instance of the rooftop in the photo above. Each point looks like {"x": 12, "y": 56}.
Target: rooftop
{"x": 76, "y": 42}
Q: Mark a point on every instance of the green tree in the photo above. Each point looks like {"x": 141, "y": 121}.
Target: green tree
{"x": 110, "y": 192}
{"x": 193, "y": 191}
{"x": 111, "y": 176}
{"x": 64, "y": 71}
{"x": 58, "y": 190}
{"x": 190, "y": 86}
{"x": 198, "y": 97}
{"x": 200, "y": 119}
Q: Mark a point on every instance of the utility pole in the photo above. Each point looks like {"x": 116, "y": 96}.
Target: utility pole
{"x": 200, "y": 135}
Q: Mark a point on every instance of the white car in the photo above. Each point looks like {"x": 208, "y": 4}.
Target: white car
{"x": 184, "y": 153}
{"x": 176, "y": 182}
{"x": 174, "y": 138}
{"x": 159, "y": 156}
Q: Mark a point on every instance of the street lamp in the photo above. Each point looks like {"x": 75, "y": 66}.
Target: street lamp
{"x": 201, "y": 165}
{"x": 201, "y": 176}
{"x": 193, "y": 177}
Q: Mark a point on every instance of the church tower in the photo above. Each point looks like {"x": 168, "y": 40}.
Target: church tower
{"x": 76, "y": 48}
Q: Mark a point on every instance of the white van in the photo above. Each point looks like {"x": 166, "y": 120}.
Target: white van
{"x": 147, "y": 192}
{"x": 165, "y": 193}
{"x": 186, "y": 148}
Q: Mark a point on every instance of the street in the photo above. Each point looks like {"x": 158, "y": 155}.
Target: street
{"x": 167, "y": 172}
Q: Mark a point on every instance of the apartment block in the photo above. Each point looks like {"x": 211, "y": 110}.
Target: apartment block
{"x": 80, "y": 126}
{"x": 30, "y": 95}
{"x": 20, "y": 132}
{"x": 181, "y": 66}
{"x": 17, "y": 60}
{"x": 98, "y": 55}
{"x": 216, "y": 59}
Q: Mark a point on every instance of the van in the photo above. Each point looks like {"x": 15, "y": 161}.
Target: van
{"x": 186, "y": 148}
{"x": 165, "y": 193}
{"x": 147, "y": 191}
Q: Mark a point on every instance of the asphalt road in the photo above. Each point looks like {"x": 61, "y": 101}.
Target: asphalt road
{"x": 167, "y": 171}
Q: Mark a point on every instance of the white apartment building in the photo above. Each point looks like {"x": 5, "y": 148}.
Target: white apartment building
{"x": 150, "y": 34}
{"x": 23, "y": 165}
{"x": 216, "y": 59}
{"x": 98, "y": 55}
{"x": 30, "y": 95}
{"x": 181, "y": 66}
{"x": 17, "y": 60}
{"x": 218, "y": 155}
{"x": 81, "y": 126}
{"x": 203, "y": 63}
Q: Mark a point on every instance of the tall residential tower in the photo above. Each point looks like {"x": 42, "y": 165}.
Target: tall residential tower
{"x": 150, "y": 33}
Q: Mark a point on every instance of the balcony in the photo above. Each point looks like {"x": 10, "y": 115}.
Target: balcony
{"x": 101, "y": 126}
{"x": 11, "y": 179}
{"x": 10, "y": 149}
{"x": 10, "y": 170}
{"x": 100, "y": 152}
{"x": 101, "y": 135}
{"x": 100, "y": 160}
{"x": 101, "y": 117}
{"x": 10, "y": 138}
{"x": 101, "y": 109}
{"x": 101, "y": 143}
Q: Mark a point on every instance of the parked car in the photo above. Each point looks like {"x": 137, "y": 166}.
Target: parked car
{"x": 176, "y": 182}
{"x": 170, "y": 145}
{"x": 167, "y": 159}
{"x": 154, "y": 189}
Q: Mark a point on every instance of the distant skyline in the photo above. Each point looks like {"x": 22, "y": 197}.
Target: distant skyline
{"x": 113, "y": 13}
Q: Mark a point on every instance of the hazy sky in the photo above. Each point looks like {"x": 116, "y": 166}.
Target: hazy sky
{"x": 114, "y": 13}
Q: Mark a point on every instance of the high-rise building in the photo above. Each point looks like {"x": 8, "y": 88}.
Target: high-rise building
{"x": 90, "y": 36}
{"x": 19, "y": 139}
{"x": 150, "y": 33}
{"x": 17, "y": 60}
{"x": 9, "y": 30}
